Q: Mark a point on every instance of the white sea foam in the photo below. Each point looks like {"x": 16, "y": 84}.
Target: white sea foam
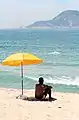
{"x": 54, "y": 53}
{"x": 59, "y": 80}
{"x": 33, "y": 78}
{"x": 63, "y": 80}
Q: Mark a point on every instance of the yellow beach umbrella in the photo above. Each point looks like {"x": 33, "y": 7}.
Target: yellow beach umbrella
{"x": 20, "y": 59}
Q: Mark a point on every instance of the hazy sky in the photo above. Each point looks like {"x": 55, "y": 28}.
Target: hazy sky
{"x": 16, "y": 13}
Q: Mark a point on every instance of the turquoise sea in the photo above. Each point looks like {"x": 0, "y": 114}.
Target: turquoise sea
{"x": 58, "y": 48}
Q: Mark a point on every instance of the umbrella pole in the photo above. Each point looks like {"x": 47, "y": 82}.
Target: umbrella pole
{"x": 22, "y": 77}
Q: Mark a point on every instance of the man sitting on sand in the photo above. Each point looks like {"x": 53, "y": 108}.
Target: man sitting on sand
{"x": 41, "y": 90}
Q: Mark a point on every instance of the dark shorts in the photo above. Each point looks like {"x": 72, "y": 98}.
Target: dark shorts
{"x": 38, "y": 97}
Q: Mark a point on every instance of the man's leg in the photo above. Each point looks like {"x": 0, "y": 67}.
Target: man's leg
{"x": 47, "y": 91}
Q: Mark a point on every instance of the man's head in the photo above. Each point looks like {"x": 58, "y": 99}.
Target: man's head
{"x": 41, "y": 80}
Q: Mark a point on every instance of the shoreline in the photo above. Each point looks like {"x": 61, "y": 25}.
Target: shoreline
{"x": 24, "y": 90}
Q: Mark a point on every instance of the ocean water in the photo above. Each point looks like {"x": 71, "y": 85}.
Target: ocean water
{"x": 58, "y": 48}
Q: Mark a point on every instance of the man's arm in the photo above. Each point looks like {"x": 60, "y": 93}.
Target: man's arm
{"x": 47, "y": 86}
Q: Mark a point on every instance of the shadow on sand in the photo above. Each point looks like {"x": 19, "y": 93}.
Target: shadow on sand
{"x": 33, "y": 98}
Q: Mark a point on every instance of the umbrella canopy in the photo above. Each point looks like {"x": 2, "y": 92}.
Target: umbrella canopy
{"x": 20, "y": 59}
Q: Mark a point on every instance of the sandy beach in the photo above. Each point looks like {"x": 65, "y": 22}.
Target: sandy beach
{"x": 64, "y": 108}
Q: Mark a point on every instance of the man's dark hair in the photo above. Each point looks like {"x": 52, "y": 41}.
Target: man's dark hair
{"x": 41, "y": 80}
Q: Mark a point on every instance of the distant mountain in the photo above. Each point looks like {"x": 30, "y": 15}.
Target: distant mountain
{"x": 66, "y": 19}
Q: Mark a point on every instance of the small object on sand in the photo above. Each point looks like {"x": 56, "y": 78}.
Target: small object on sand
{"x": 59, "y": 107}
{"x": 22, "y": 97}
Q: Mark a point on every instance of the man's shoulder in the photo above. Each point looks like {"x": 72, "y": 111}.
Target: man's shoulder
{"x": 39, "y": 85}
{"x": 36, "y": 84}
